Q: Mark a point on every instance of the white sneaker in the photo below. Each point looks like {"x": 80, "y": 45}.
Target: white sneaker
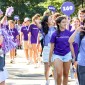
{"x": 47, "y": 82}
{"x": 27, "y": 61}
{"x": 36, "y": 65}
{"x": 12, "y": 61}
{"x": 77, "y": 83}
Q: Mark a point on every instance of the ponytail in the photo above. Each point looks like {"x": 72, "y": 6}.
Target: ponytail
{"x": 58, "y": 31}
{"x": 45, "y": 25}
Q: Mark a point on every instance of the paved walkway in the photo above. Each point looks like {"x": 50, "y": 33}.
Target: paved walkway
{"x": 22, "y": 74}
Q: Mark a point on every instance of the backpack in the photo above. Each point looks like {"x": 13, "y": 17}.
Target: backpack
{"x": 82, "y": 34}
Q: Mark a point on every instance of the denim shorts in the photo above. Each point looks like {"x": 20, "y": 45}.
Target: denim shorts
{"x": 2, "y": 63}
{"x": 81, "y": 75}
{"x": 45, "y": 53}
{"x": 65, "y": 58}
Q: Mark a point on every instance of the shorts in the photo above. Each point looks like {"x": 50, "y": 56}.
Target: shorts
{"x": 65, "y": 58}
{"x": 3, "y": 75}
{"x": 45, "y": 53}
{"x": 25, "y": 44}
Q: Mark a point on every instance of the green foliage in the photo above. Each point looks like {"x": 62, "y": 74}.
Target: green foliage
{"x": 23, "y": 8}
{"x": 28, "y": 8}
{"x": 56, "y": 3}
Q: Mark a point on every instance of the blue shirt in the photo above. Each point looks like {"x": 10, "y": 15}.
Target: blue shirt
{"x": 81, "y": 55}
{"x": 47, "y": 37}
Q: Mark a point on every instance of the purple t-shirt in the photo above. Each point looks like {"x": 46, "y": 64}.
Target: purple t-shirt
{"x": 34, "y": 33}
{"x": 13, "y": 32}
{"x": 81, "y": 23}
{"x": 25, "y": 31}
{"x": 61, "y": 44}
{"x": 70, "y": 27}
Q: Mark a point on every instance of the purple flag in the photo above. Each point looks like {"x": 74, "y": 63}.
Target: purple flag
{"x": 8, "y": 43}
{"x": 9, "y": 11}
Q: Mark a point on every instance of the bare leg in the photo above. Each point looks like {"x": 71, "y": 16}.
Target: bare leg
{"x": 26, "y": 53}
{"x": 31, "y": 54}
{"x": 58, "y": 68}
{"x": 13, "y": 53}
{"x": 11, "y": 56}
{"x": 35, "y": 53}
{"x": 46, "y": 66}
{"x": 66, "y": 67}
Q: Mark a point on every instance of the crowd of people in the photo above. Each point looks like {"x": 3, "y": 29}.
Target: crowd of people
{"x": 58, "y": 39}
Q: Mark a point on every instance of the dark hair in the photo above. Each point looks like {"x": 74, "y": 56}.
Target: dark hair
{"x": 82, "y": 33}
{"x": 84, "y": 22}
{"x": 58, "y": 20}
{"x": 44, "y": 24}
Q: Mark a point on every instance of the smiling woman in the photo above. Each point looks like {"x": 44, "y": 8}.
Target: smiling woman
{"x": 48, "y": 29}
{"x": 60, "y": 51}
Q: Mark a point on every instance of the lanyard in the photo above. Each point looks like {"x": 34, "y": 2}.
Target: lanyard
{"x": 11, "y": 31}
{"x": 26, "y": 28}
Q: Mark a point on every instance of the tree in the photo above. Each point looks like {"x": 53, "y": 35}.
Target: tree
{"x": 23, "y": 8}
{"x": 56, "y": 3}
{"x": 28, "y": 8}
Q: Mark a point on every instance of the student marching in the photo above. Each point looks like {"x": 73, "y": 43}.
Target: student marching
{"x": 54, "y": 39}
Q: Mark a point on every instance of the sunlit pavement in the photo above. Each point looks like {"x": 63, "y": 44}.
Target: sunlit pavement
{"x": 22, "y": 74}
